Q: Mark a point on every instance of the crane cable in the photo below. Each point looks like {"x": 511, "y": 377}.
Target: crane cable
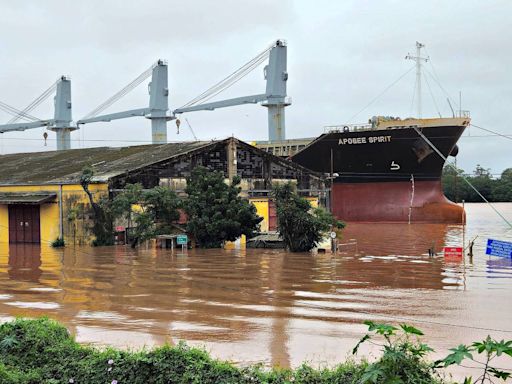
{"x": 460, "y": 174}
{"x": 231, "y": 79}
{"x": 117, "y": 96}
{"x": 35, "y": 103}
{"x": 191, "y": 130}
{"x": 15, "y": 112}
{"x": 225, "y": 83}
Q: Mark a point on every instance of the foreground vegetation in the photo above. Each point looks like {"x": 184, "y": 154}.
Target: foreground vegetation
{"x": 42, "y": 351}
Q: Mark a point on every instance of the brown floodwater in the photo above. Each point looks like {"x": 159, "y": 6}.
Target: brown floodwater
{"x": 267, "y": 305}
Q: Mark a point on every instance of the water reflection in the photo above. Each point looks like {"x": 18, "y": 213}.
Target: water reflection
{"x": 266, "y": 305}
{"x": 25, "y": 262}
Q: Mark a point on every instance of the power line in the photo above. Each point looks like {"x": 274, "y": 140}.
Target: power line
{"x": 493, "y": 132}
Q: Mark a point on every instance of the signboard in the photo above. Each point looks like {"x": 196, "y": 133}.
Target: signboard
{"x": 498, "y": 248}
{"x": 453, "y": 252}
{"x": 182, "y": 239}
{"x": 333, "y": 235}
{"x": 119, "y": 228}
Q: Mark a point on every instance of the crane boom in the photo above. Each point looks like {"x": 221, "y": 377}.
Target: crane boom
{"x": 254, "y": 99}
{"x": 23, "y": 126}
{"x": 116, "y": 116}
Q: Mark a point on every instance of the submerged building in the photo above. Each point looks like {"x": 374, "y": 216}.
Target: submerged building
{"x": 41, "y": 198}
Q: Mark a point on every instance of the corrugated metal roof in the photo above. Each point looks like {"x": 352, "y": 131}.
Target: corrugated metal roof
{"x": 26, "y": 198}
{"x": 65, "y": 167}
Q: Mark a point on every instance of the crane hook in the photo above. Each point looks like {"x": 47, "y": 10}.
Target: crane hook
{"x": 178, "y": 122}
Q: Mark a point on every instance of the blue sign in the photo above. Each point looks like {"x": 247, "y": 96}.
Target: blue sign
{"x": 499, "y": 248}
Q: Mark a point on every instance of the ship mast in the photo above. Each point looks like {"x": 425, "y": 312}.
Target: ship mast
{"x": 418, "y": 59}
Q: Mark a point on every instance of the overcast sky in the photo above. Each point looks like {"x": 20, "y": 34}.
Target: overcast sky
{"x": 341, "y": 55}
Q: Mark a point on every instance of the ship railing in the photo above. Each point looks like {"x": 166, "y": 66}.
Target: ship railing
{"x": 464, "y": 114}
{"x": 348, "y": 128}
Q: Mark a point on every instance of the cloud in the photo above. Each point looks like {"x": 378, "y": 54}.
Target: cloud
{"x": 341, "y": 55}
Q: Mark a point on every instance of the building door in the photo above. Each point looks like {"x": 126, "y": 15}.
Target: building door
{"x": 24, "y": 224}
{"x": 272, "y": 215}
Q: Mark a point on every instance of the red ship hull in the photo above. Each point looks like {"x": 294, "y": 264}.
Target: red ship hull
{"x": 394, "y": 202}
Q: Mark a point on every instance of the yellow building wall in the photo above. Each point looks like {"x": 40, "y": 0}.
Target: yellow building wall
{"x": 4, "y": 224}
{"x": 261, "y": 205}
{"x": 74, "y": 200}
{"x": 313, "y": 201}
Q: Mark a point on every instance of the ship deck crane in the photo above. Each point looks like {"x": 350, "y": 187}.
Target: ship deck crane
{"x": 62, "y": 122}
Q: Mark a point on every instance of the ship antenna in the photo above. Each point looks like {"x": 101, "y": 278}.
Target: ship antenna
{"x": 418, "y": 59}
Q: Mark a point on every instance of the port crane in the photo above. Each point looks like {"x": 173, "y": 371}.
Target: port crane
{"x": 274, "y": 98}
{"x": 62, "y": 122}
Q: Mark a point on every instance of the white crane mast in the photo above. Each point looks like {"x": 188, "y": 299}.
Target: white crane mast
{"x": 62, "y": 122}
{"x": 274, "y": 99}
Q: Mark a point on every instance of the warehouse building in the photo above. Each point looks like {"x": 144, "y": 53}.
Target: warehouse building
{"x": 41, "y": 198}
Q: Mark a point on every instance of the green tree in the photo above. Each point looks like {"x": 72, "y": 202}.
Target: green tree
{"x": 483, "y": 183}
{"x": 502, "y": 188}
{"x": 300, "y": 226}
{"x": 456, "y": 189}
{"x": 163, "y": 204}
{"x": 102, "y": 215}
{"x": 122, "y": 204}
{"x": 453, "y": 185}
{"x": 156, "y": 210}
{"x": 215, "y": 210}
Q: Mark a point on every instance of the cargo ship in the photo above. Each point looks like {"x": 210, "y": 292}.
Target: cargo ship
{"x": 388, "y": 170}
{"x": 385, "y": 171}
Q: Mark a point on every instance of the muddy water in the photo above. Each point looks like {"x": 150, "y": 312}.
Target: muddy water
{"x": 269, "y": 306}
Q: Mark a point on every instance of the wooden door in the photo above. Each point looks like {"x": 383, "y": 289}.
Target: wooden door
{"x": 24, "y": 224}
{"x": 272, "y": 216}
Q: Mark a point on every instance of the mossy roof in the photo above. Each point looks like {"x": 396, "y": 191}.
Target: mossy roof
{"x": 65, "y": 167}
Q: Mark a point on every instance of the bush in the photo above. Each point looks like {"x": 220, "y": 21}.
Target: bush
{"x": 42, "y": 351}
{"x": 58, "y": 243}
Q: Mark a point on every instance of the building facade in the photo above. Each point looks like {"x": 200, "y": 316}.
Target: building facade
{"x": 41, "y": 198}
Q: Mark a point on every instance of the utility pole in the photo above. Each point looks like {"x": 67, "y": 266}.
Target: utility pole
{"x": 418, "y": 59}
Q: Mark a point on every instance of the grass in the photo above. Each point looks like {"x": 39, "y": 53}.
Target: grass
{"x": 42, "y": 351}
